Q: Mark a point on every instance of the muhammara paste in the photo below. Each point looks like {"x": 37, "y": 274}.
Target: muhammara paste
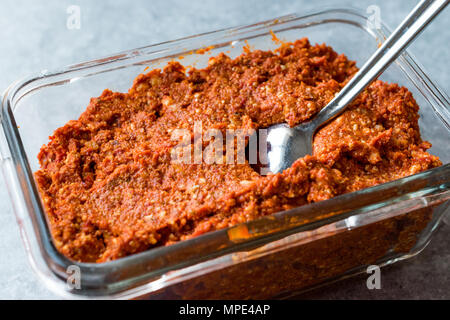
{"x": 111, "y": 189}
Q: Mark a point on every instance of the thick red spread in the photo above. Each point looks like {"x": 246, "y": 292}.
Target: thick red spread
{"x": 111, "y": 189}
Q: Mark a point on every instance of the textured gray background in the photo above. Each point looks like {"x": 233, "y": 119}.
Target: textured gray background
{"x": 34, "y": 36}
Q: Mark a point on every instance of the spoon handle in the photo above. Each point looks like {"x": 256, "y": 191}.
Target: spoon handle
{"x": 413, "y": 24}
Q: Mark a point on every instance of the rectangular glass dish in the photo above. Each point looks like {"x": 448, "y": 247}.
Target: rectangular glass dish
{"x": 274, "y": 256}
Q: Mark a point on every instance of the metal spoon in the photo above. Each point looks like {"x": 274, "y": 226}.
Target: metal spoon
{"x": 285, "y": 145}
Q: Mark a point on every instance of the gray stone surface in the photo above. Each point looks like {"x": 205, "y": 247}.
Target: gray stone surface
{"x": 34, "y": 37}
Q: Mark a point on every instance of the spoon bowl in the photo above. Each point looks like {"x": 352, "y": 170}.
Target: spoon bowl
{"x": 286, "y": 144}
